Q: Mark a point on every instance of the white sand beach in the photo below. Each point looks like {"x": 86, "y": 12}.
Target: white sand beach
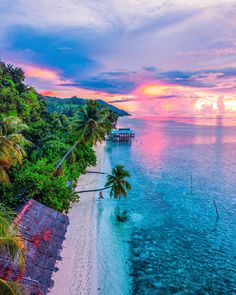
{"x": 77, "y": 274}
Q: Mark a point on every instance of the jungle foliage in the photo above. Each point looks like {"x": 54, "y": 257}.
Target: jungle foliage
{"x": 32, "y": 142}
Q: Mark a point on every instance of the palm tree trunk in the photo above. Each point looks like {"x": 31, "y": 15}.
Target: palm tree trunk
{"x": 94, "y": 190}
{"x": 65, "y": 156}
{"x": 97, "y": 172}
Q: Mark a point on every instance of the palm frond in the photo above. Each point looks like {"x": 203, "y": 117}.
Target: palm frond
{"x": 12, "y": 143}
{"x": 117, "y": 181}
{"x": 92, "y": 124}
{"x": 11, "y": 288}
{"x": 4, "y": 178}
{"x": 19, "y": 139}
{"x": 10, "y": 245}
{"x": 5, "y": 222}
{"x": 10, "y": 239}
{"x": 110, "y": 180}
{"x": 126, "y": 184}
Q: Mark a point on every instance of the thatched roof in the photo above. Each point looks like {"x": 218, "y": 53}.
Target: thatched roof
{"x": 43, "y": 230}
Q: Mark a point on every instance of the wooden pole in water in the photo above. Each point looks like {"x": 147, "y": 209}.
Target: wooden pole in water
{"x": 191, "y": 184}
{"x": 217, "y": 213}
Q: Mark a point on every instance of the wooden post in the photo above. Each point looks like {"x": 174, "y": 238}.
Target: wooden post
{"x": 217, "y": 213}
{"x": 191, "y": 184}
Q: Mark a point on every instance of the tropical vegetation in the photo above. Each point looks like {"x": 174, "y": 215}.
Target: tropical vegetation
{"x": 12, "y": 143}
{"x": 42, "y": 153}
{"x": 91, "y": 126}
{"x": 69, "y": 106}
{"x": 11, "y": 245}
{"x": 33, "y": 141}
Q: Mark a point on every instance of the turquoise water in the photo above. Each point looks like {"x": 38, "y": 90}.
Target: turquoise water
{"x": 172, "y": 242}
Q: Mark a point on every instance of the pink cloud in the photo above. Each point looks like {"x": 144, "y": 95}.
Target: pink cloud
{"x": 149, "y": 97}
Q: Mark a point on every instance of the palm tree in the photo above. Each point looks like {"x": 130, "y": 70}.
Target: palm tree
{"x": 93, "y": 123}
{"x": 11, "y": 245}
{"x": 116, "y": 181}
{"x": 9, "y": 155}
{"x": 12, "y": 128}
{"x": 91, "y": 126}
{"x": 12, "y": 142}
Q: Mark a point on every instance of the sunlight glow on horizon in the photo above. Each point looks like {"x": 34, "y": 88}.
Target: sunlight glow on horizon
{"x": 153, "y": 94}
{"x": 146, "y": 57}
{"x": 153, "y": 90}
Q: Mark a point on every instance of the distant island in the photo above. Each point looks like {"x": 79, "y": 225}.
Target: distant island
{"x": 69, "y": 106}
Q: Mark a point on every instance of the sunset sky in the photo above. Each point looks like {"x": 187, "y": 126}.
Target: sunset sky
{"x": 146, "y": 56}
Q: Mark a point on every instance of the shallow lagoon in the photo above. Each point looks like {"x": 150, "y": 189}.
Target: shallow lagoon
{"x": 172, "y": 243}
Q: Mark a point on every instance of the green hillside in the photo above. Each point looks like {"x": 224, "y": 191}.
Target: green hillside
{"x": 69, "y": 106}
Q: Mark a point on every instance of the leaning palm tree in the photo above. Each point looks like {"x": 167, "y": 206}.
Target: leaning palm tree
{"x": 91, "y": 126}
{"x": 116, "y": 181}
{"x": 12, "y": 143}
{"x": 11, "y": 245}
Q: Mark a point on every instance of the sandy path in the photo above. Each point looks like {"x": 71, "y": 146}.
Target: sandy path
{"x": 77, "y": 274}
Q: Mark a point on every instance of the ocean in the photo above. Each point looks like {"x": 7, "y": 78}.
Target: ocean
{"x": 172, "y": 242}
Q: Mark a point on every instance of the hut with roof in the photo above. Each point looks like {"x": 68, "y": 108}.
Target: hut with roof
{"x": 43, "y": 230}
{"x": 122, "y": 134}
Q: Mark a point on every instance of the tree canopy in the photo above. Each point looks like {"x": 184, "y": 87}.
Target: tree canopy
{"x": 32, "y": 141}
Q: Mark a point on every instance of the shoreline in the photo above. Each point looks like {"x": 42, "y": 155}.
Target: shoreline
{"x": 77, "y": 269}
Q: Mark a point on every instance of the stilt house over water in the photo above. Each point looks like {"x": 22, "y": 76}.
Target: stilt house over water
{"x": 122, "y": 134}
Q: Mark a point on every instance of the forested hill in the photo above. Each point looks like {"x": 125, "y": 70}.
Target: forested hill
{"x": 69, "y": 106}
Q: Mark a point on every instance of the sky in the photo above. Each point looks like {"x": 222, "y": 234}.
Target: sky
{"x": 149, "y": 57}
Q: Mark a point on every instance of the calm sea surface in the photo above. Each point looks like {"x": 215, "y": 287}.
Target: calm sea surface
{"x": 172, "y": 242}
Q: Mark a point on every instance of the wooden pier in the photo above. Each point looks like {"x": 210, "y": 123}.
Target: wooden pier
{"x": 121, "y": 134}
